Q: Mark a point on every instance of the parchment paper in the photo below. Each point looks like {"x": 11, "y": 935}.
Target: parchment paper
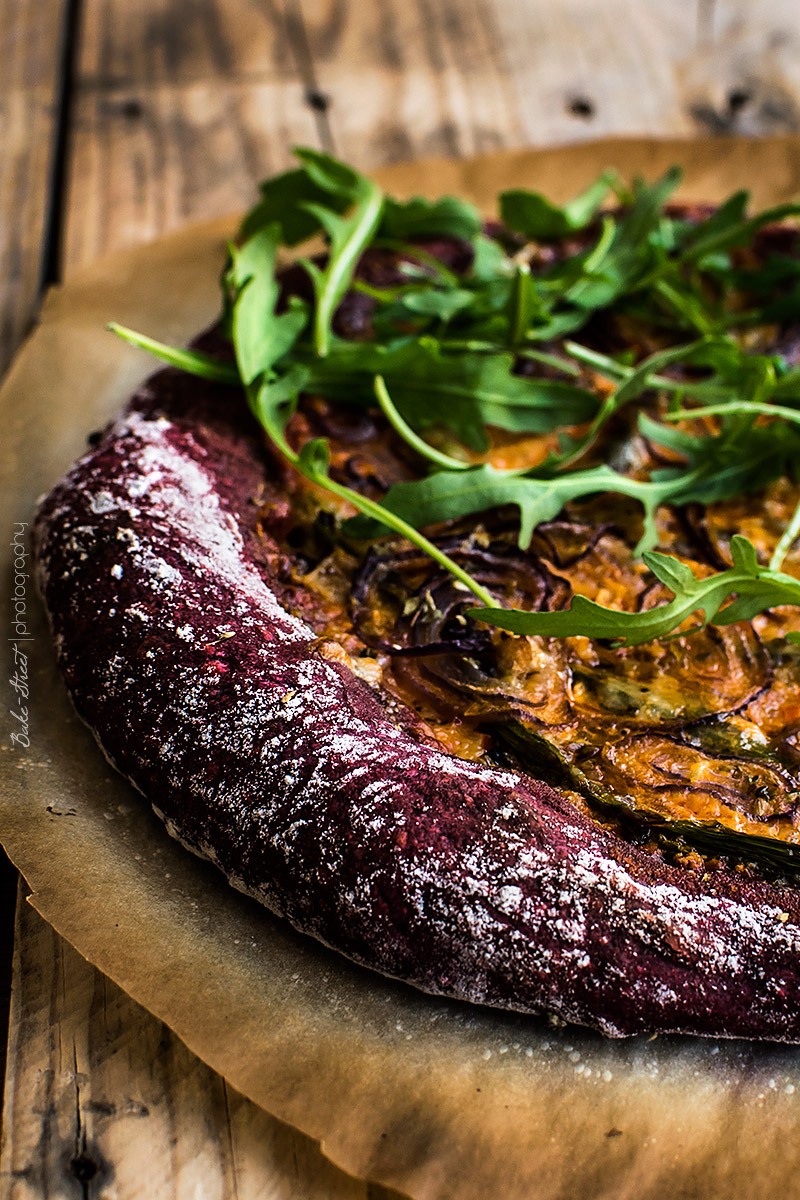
{"x": 433, "y": 1097}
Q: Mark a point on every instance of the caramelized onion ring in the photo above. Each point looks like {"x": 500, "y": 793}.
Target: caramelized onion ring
{"x": 664, "y": 765}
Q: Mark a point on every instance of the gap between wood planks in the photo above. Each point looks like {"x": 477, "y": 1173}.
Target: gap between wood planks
{"x": 56, "y": 215}
{"x": 51, "y": 269}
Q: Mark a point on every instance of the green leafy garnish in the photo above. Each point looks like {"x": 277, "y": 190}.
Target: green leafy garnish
{"x": 261, "y": 336}
{"x": 349, "y": 234}
{"x": 541, "y": 220}
{"x": 194, "y": 362}
{"x": 455, "y": 354}
{"x": 463, "y": 392}
{"x": 447, "y": 496}
{"x": 273, "y": 404}
{"x": 754, "y": 589}
{"x": 399, "y": 425}
{"x": 449, "y": 217}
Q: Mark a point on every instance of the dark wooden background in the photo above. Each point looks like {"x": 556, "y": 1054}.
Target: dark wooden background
{"x": 122, "y": 119}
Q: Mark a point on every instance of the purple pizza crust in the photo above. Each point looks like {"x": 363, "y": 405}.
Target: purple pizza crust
{"x": 289, "y": 773}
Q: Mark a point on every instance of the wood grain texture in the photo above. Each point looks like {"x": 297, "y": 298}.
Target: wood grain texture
{"x": 181, "y": 108}
{"x": 463, "y": 76}
{"x": 30, "y": 43}
{"x": 744, "y": 75}
{"x": 432, "y": 79}
{"x": 144, "y": 164}
{"x": 103, "y": 1101}
{"x": 180, "y": 42}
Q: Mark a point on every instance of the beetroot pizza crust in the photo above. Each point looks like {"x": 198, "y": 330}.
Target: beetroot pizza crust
{"x": 289, "y": 773}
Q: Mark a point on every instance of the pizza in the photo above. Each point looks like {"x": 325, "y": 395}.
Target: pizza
{"x": 446, "y": 595}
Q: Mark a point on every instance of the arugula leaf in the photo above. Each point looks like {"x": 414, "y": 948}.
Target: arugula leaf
{"x": 349, "y": 235}
{"x": 526, "y": 306}
{"x": 289, "y": 200}
{"x": 533, "y": 215}
{"x": 194, "y": 362}
{"x": 666, "y": 272}
{"x": 756, "y": 407}
{"x": 261, "y": 337}
{"x": 273, "y": 404}
{"x": 463, "y": 393}
{"x": 418, "y": 217}
{"x": 634, "y": 381}
{"x": 283, "y": 203}
{"x": 702, "y": 240}
{"x": 735, "y": 374}
{"x": 742, "y": 458}
{"x": 491, "y": 263}
{"x": 631, "y": 255}
{"x": 785, "y": 543}
{"x": 273, "y": 401}
{"x": 627, "y": 256}
{"x": 449, "y": 495}
{"x": 433, "y": 302}
{"x": 408, "y": 435}
{"x": 632, "y": 252}
{"x": 755, "y": 589}
{"x": 722, "y": 232}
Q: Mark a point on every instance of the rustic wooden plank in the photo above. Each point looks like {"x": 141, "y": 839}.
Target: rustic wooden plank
{"x": 182, "y": 106}
{"x": 145, "y": 162}
{"x": 744, "y": 76}
{"x": 180, "y": 109}
{"x": 30, "y": 43}
{"x": 431, "y": 79}
{"x": 181, "y": 42}
{"x": 463, "y": 76}
{"x": 103, "y": 1099}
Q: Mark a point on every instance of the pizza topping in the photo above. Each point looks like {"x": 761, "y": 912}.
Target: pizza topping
{"x": 404, "y": 608}
{"x": 716, "y": 711}
{"x": 667, "y": 734}
{"x": 675, "y": 774}
{"x": 452, "y": 348}
{"x": 588, "y": 385}
{"x": 748, "y": 588}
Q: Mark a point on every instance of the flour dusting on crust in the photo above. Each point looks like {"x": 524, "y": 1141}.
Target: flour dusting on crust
{"x": 286, "y": 770}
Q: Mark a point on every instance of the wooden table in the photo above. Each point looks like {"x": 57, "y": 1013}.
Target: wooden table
{"x": 122, "y": 119}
